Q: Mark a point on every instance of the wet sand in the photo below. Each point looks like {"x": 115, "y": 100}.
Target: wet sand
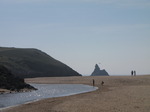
{"x": 4, "y": 91}
{"x": 119, "y": 94}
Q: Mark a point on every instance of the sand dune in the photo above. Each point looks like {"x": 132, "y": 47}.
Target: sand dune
{"x": 119, "y": 94}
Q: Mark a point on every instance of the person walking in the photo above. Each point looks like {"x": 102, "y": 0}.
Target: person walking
{"x": 93, "y": 82}
{"x": 132, "y": 73}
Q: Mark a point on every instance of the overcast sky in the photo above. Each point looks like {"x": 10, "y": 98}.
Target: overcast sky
{"x": 80, "y": 33}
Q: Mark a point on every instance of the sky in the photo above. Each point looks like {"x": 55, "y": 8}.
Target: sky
{"x": 115, "y": 34}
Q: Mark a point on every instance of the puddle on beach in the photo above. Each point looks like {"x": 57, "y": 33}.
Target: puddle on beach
{"x": 44, "y": 91}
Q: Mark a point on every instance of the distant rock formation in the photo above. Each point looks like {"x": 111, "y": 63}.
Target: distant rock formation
{"x": 98, "y": 72}
{"x": 30, "y": 63}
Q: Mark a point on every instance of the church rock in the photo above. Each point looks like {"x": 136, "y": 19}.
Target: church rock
{"x": 98, "y": 72}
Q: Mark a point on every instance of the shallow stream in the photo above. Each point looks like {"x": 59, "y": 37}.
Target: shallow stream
{"x": 44, "y": 91}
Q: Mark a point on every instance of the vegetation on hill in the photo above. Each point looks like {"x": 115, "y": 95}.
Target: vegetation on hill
{"x": 10, "y": 82}
{"x": 29, "y": 63}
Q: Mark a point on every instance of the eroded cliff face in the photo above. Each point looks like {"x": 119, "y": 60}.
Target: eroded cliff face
{"x": 98, "y": 72}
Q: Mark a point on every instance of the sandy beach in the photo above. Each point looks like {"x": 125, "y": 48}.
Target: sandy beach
{"x": 118, "y": 94}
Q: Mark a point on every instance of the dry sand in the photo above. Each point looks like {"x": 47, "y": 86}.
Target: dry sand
{"x": 119, "y": 94}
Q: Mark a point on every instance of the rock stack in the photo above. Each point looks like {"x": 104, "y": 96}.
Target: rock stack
{"x": 98, "y": 72}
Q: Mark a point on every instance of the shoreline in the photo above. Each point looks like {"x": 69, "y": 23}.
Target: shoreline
{"x": 6, "y": 91}
{"x": 30, "y": 102}
{"x": 60, "y": 95}
{"x": 119, "y": 93}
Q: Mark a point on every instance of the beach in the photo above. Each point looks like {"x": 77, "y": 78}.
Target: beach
{"x": 118, "y": 94}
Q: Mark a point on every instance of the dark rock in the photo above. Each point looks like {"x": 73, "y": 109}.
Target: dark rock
{"x": 10, "y": 82}
{"x": 98, "y": 72}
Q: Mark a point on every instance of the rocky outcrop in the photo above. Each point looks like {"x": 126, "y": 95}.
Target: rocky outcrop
{"x": 98, "y": 72}
{"x": 10, "y": 82}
